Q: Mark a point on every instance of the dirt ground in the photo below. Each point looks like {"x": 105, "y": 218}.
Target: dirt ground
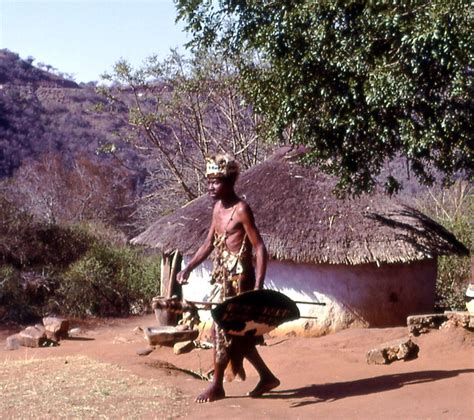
{"x": 325, "y": 377}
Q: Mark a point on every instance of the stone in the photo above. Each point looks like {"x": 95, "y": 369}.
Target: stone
{"x": 74, "y": 332}
{"x": 386, "y": 353}
{"x": 183, "y": 347}
{"x": 145, "y": 352}
{"x": 40, "y": 327}
{"x": 457, "y": 319}
{"x": 421, "y": 324}
{"x": 56, "y": 328}
{"x": 32, "y": 337}
{"x": 12, "y": 343}
{"x": 168, "y": 336}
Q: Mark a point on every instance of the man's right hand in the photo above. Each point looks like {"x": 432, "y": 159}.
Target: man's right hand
{"x": 183, "y": 276}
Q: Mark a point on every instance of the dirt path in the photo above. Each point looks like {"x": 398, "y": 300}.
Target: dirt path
{"x": 325, "y": 377}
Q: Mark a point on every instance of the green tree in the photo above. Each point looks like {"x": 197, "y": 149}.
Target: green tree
{"x": 358, "y": 82}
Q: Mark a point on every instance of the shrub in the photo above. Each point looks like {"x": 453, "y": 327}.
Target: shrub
{"x": 109, "y": 281}
{"x": 454, "y": 209}
{"x": 78, "y": 270}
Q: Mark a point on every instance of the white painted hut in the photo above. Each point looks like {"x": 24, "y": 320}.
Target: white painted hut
{"x": 372, "y": 260}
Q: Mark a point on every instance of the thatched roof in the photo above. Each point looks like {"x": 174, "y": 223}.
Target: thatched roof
{"x": 300, "y": 220}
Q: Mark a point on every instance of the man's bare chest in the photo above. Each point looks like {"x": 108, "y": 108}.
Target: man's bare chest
{"x": 226, "y": 222}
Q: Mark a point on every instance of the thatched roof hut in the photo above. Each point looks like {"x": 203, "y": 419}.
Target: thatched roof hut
{"x": 371, "y": 260}
{"x": 302, "y": 221}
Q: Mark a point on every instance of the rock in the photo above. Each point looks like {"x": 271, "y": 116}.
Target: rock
{"x": 401, "y": 349}
{"x": 420, "y": 324}
{"x": 32, "y": 337}
{"x": 40, "y": 327}
{"x": 183, "y": 347}
{"x": 12, "y": 343}
{"x": 74, "y": 332}
{"x": 56, "y": 328}
{"x": 145, "y": 352}
{"x": 457, "y": 319}
{"x": 168, "y": 336}
{"x": 376, "y": 357}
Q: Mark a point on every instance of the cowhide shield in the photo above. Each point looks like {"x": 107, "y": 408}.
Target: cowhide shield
{"x": 255, "y": 313}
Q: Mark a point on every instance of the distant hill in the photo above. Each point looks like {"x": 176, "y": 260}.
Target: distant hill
{"x": 15, "y": 71}
{"x": 42, "y": 112}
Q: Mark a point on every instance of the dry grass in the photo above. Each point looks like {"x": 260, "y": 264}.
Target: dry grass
{"x": 79, "y": 387}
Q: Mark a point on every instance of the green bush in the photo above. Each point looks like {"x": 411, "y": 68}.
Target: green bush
{"x": 454, "y": 209}
{"x": 76, "y": 270}
{"x": 109, "y": 281}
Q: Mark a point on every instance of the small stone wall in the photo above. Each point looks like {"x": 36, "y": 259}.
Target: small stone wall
{"x": 421, "y": 324}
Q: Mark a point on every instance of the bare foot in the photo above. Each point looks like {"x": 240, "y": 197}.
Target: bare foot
{"x": 264, "y": 386}
{"x": 212, "y": 393}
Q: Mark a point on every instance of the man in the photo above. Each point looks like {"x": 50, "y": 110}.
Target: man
{"x": 233, "y": 236}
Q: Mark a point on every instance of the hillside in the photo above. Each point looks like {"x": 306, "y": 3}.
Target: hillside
{"x": 41, "y": 112}
{"x": 15, "y": 71}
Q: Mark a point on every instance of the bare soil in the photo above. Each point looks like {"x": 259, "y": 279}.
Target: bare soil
{"x": 325, "y": 377}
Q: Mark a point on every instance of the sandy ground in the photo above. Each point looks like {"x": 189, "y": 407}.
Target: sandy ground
{"x": 325, "y": 377}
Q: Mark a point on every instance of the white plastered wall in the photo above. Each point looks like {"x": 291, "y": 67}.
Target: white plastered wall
{"x": 363, "y": 295}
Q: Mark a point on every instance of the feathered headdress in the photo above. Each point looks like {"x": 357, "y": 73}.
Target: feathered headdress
{"x": 221, "y": 166}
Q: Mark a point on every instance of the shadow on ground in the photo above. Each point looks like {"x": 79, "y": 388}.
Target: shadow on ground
{"x": 313, "y": 394}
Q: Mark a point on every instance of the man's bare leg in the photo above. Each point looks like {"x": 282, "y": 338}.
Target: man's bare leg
{"x": 215, "y": 391}
{"x": 268, "y": 380}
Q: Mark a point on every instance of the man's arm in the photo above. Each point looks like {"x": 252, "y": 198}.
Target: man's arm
{"x": 201, "y": 254}
{"x": 248, "y": 222}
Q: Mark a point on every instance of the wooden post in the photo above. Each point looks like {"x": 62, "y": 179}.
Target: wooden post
{"x": 171, "y": 264}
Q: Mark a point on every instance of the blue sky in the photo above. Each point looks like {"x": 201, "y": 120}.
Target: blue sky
{"x": 86, "y": 37}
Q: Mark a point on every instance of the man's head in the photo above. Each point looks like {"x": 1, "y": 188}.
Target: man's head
{"x": 221, "y": 172}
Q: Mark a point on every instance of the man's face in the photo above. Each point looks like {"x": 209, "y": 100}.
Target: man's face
{"x": 217, "y": 188}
